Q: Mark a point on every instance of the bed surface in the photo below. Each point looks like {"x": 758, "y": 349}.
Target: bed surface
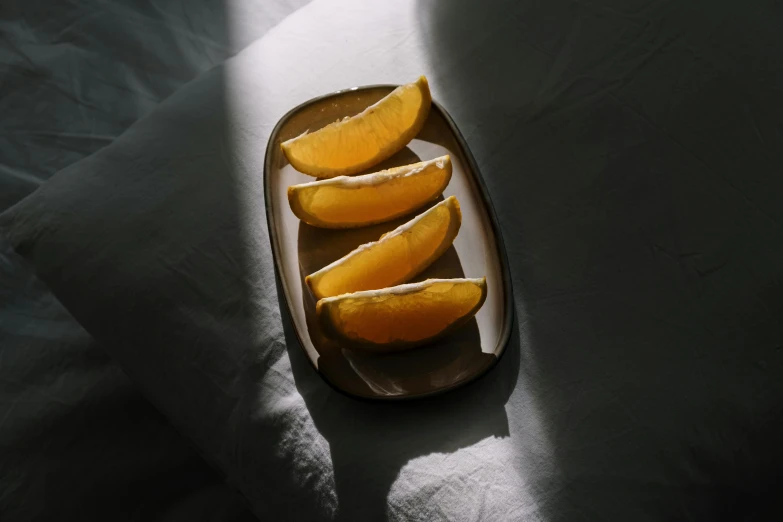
{"x": 77, "y": 440}
{"x": 632, "y": 151}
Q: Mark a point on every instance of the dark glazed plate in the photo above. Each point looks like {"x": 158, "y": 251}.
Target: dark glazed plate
{"x": 300, "y": 249}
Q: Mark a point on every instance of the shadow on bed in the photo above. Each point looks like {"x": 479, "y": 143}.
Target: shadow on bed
{"x": 652, "y": 341}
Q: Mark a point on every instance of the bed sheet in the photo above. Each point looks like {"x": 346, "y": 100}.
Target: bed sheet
{"x": 77, "y": 440}
{"x": 76, "y": 75}
{"x": 632, "y": 151}
{"x": 645, "y": 262}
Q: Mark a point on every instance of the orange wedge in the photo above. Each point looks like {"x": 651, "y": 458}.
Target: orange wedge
{"x": 402, "y": 316}
{"x": 347, "y": 202}
{"x": 395, "y": 258}
{"x": 353, "y": 144}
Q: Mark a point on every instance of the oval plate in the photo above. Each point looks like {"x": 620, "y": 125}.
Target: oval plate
{"x": 300, "y": 249}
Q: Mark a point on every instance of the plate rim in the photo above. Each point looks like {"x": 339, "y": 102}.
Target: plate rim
{"x": 508, "y": 315}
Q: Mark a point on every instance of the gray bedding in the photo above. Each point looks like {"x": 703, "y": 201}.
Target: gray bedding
{"x": 632, "y": 151}
{"x": 78, "y": 441}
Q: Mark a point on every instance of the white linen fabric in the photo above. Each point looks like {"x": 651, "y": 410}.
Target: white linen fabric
{"x": 643, "y": 377}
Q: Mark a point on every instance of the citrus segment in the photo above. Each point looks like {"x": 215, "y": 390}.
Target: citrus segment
{"x": 395, "y": 258}
{"x": 353, "y": 144}
{"x": 402, "y": 316}
{"x": 347, "y": 202}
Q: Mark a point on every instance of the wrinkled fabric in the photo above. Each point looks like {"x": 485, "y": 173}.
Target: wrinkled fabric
{"x": 632, "y": 152}
{"x": 75, "y": 75}
{"x": 77, "y": 439}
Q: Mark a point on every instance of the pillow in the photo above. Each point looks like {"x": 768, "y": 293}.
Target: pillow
{"x": 645, "y": 364}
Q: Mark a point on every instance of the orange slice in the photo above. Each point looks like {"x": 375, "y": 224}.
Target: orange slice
{"x": 402, "y": 316}
{"x": 395, "y": 258}
{"x": 353, "y": 144}
{"x": 347, "y": 202}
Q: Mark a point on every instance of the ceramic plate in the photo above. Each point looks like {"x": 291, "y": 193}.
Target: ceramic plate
{"x": 300, "y": 249}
